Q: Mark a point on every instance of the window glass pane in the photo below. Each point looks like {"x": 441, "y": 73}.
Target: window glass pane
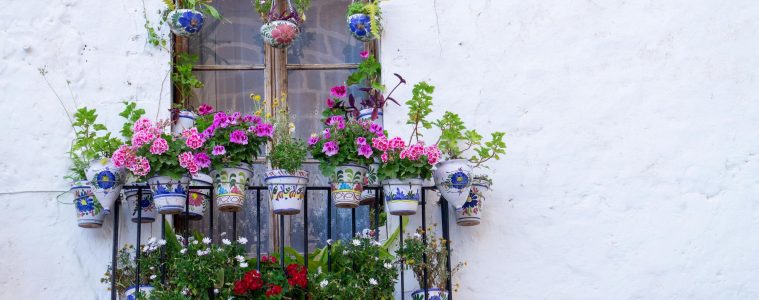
{"x": 232, "y": 41}
{"x": 324, "y": 37}
{"x": 229, "y": 90}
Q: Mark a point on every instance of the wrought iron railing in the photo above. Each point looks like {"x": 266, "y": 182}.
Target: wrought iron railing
{"x": 377, "y": 203}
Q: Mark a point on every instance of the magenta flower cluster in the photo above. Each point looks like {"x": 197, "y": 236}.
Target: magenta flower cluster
{"x": 415, "y": 152}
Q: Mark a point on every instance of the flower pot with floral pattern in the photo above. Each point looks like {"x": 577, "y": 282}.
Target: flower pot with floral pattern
{"x": 347, "y": 184}
{"x": 131, "y": 195}
{"x": 453, "y": 179}
{"x": 402, "y": 196}
{"x": 367, "y": 113}
{"x": 230, "y": 184}
{"x": 131, "y": 292}
{"x": 169, "y": 194}
{"x": 368, "y": 196}
{"x": 360, "y": 26}
{"x": 286, "y": 190}
{"x": 185, "y": 22}
{"x": 106, "y": 181}
{"x": 199, "y": 197}
{"x": 280, "y": 33}
{"x": 469, "y": 214}
{"x": 432, "y": 294}
{"x": 183, "y": 120}
{"x": 89, "y": 212}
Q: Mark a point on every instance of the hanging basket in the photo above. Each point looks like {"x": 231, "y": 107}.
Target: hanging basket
{"x": 280, "y": 33}
{"x": 106, "y": 181}
{"x": 360, "y": 27}
{"x": 199, "y": 197}
{"x": 453, "y": 179}
{"x": 185, "y": 22}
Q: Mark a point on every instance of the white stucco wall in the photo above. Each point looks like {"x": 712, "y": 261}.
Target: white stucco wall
{"x": 631, "y": 170}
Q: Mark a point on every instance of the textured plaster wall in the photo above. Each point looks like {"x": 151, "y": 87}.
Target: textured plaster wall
{"x": 631, "y": 172}
{"x": 632, "y": 169}
{"x": 100, "y": 47}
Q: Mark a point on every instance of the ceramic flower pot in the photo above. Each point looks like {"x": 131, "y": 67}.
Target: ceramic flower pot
{"x": 279, "y": 33}
{"x": 89, "y": 212}
{"x": 432, "y": 294}
{"x": 286, "y": 191}
{"x": 199, "y": 197}
{"x": 169, "y": 194}
{"x": 347, "y": 184}
{"x": 453, "y": 179}
{"x": 229, "y": 187}
{"x": 106, "y": 181}
{"x": 469, "y": 213}
{"x": 131, "y": 292}
{"x": 402, "y": 196}
{"x": 366, "y": 114}
{"x": 360, "y": 27}
{"x": 368, "y": 197}
{"x": 146, "y": 203}
{"x": 185, "y": 22}
{"x": 185, "y": 120}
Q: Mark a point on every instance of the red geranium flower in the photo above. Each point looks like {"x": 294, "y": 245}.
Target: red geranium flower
{"x": 240, "y": 288}
{"x": 273, "y": 290}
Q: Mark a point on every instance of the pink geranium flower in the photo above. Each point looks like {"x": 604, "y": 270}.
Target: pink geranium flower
{"x": 364, "y": 54}
{"x": 238, "y": 137}
{"x": 140, "y": 167}
{"x": 330, "y": 103}
{"x": 365, "y": 151}
{"x": 361, "y": 141}
{"x": 202, "y": 160}
{"x": 313, "y": 140}
{"x": 219, "y": 150}
{"x": 195, "y": 141}
{"x": 205, "y": 109}
{"x": 339, "y": 91}
{"x": 264, "y": 129}
{"x": 380, "y": 143}
{"x": 384, "y": 157}
{"x": 330, "y": 148}
{"x": 397, "y": 143}
{"x": 159, "y": 146}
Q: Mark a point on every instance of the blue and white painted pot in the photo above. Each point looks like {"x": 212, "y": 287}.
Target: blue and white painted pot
{"x": 432, "y": 294}
{"x": 185, "y": 120}
{"x": 185, "y": 22}
{"x": 286, "y": 191}
{"x": 402, "y": 196}
{"x": 360, "y": 26}
{"x": 366, "y": 114}
{"x": 469, "y": 214}
{"x": 229, "y": 185}
{"x": 348, "y": 184}
{"x": 199, "y": 197}
{"x": 146, "y": 203}
{"x": 131, "y": 292}
{"x": 453, "y": 179}
{"x": 280, "y": 33}
{"x": 89, "y": 212}
{"x": 169, "y": 194}
{"x": 106, "y": 181}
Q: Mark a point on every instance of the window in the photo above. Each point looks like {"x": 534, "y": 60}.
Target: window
{"x": 234, "y": 62}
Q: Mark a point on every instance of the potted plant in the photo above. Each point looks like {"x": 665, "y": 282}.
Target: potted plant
{"x": 167, "y": 161}
{"x": 364, "y": 18}
{"x": 285, "y": 179}
{"x": 184, "y": 80}
{"x": 89, "y": 211}
{"x": 281, "y": 27}
{"x": 453, "y": 176}
{"x": 272, "y": 282}
{"x": 187, "y": 18}
{"x": 344, "y": 152}
{"x": 361, "y": 269}
{"x": 469, "y": 214}
{"x": 413, "y": 254}
{"x": 131, "y": 194}
{"x": 367, "y": 76}
{"x": 126, "y": 270}
{"x": 234, "y": 141}
{"x": 403, "y": 168}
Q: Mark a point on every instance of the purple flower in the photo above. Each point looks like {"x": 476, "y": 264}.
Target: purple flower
{"x": 209, "y": 131}
{"x": 202, "y": 160}
{"x": 205, "y": 109}
{"x": 361, "y": 141}
{"x": 330, "y": 103}
{"x": 335, "y": 120}
{"x": 219, "y": 150}
{"x": 338, "y": 91}
{"x": 238, "y": 137}
{"x": 325, "y": 134}
{"x": 331, "y": 148}
{"x": 247, "y": 118}
{"x": 364, "y": 54}
{"x": 264, "y": 129}
{"x": 365, "y": 151}
{"x": 375, "y": 128}
{"x": 313, "y": 140}
{"x": 220, "y": 119}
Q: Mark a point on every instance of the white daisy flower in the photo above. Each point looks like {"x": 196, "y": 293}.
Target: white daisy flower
{"x": 201, "y": 253}
{"x": 388, "y": 266}
{"x": 242, "y": 240}
{"x": 373, "y": 281}
{"x": 183, "y": 251}
{"x": 345, "y": 252}
{"x": 161, "y": 242}
{"x": 243, "y": 265}
{"x": 194, "y": 242}
{"x": 417, "y": 235}
{"x": 152, "y": 277}
{"x": 356, "y": 242}
{"x": 206, "y": 240}
{"x": 324, "y": 283}
{"x": 226, "y": 242}
{"x": 215, "y": 291}
{"x": 151, "y": 240}
{"x": 239, "y": 258}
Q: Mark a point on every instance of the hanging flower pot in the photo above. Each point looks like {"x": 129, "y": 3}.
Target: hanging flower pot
{"x": 185, "y": 22}
{"x": 146, "y": 203}
{"x": 89, "y": 212}
{"x": 229, "y": 185}
{"x": 367, "y": 196}
{"x": 280, "y": 33}
{"x": 286, "y": 190}
{"x": 366, "y": 114}
{"x": 106, "y": 181}
{"x": 360, "y": 27}
{"x": 347, "y": 184}
{"x": 169, "y": 194}
{"x": 131, "y": 292}
{"x": 183, "y": 120}
{"x": 432, "y": 294}
{"x": 199, "y": 197}
{"x": 469, "y": 214}
{"x": 402, "y": 196}
{"x": 453, "y": 180}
